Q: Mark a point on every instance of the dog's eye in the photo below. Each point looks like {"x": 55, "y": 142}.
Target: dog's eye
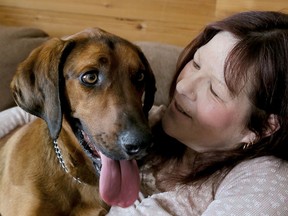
{"x": 140, "y": 76}
{"x": 89, "y": 78}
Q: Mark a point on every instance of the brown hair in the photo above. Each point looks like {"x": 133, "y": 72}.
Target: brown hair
{"x": 261, "y": 54}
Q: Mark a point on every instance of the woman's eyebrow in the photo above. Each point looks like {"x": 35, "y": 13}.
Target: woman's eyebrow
{"x": 223, "y": 86}
{"x": 197, "y": 55}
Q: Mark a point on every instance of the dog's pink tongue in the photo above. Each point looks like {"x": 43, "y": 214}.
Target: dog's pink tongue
{"x": 119, "y": 181}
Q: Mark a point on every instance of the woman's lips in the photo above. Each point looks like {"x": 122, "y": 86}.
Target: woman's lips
{"x": 180, "y": 109}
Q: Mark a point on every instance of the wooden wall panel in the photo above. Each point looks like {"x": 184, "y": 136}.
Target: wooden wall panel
{"x": 227, "y": 7}
{"x": 167, "y": 21}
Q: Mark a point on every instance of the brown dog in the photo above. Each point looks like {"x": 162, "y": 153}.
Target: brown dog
{"x": 88, "y": 89}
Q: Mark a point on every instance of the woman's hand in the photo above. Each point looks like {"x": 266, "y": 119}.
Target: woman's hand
{"x": 155, "y": 114}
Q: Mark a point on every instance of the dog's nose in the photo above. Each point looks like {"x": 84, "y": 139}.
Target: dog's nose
{"x": 131, "y": 149}
{"x": 134, "y": 141}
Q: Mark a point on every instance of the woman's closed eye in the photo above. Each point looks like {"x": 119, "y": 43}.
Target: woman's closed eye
{"x": 213, "y": 92}
{"x": 196, "y": 65}
{"x": 219, "y": 92}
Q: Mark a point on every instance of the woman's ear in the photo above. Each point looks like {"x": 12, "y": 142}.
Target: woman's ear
{"x": 273, "y": 125}
{"x": 250, "y": 138}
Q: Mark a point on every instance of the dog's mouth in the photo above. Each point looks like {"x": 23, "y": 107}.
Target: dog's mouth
{"x": 119, "y": 179}
{"x": 91, "y": 151}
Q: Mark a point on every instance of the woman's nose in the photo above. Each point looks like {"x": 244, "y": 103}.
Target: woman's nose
{"x": 187, "y": 87}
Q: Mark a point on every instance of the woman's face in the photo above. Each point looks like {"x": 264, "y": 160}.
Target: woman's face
{"x": 203, "y": 114}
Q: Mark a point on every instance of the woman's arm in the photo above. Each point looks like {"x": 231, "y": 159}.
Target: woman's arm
{"x": 142, "y": 207}
{"x": 13, "y": 118}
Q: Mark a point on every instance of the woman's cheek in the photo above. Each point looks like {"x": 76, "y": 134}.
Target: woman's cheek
{"x": 215, "y": 116}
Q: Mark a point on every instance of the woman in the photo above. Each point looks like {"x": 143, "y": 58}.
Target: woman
{"x": 221, "y": 147}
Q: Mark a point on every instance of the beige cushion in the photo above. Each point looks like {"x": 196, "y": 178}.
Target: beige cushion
{"x": 15, "y": 45}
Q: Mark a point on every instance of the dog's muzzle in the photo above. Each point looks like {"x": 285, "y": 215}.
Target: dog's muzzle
{"x": 135, "y": 142}
{"x": 119, "y": 182}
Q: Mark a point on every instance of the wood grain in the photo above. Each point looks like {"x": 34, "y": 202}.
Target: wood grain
{"x": 165, "y": 21}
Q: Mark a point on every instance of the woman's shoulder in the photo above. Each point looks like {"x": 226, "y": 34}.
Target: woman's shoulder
{"x": 259, "y": 184}
{"x": 268, "y": 163}
{"x": 265, "y": 166}
{"x": 261, "y": 171}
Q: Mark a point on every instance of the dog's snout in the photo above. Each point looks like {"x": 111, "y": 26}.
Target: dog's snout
{"x": 134, "y": 141}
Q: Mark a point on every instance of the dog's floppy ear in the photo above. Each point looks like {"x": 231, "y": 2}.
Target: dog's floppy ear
{"x": 35, "y": 86}
{"x": 150, "y": 86}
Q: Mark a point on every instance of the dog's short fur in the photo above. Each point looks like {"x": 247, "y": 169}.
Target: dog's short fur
{"x": 87, "y": 86}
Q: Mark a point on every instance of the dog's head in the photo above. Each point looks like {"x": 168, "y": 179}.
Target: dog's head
{"x": 96, "y": 81}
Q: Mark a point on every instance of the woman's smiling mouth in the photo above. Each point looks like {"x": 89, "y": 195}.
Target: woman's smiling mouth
{"x": 180, "y": 109}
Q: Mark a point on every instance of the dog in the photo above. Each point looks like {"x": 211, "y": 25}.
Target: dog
{"x": 92, "y": 92}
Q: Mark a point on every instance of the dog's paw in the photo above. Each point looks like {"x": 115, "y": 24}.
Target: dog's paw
{"x": 155, "y": 114}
